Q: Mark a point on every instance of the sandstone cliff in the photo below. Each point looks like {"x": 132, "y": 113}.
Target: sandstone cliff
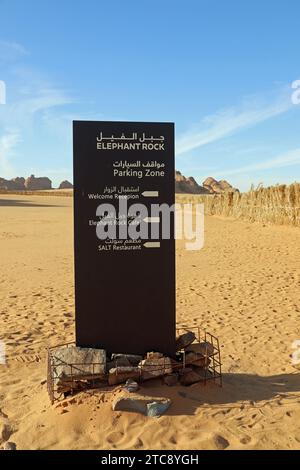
{"x": 65, "y": 185}
{"x": 188, "y": 185}
{"x": 32, "y": 183}
{"x": 20, "y": 184}
{"x": 218, "y": 187}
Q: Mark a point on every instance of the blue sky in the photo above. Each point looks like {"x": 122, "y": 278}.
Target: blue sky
{"x": 222, "y": 71}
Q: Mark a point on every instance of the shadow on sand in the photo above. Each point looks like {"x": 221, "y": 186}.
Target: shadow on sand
{"x": 22, "y": 203}
{"x": 238, "y": 389}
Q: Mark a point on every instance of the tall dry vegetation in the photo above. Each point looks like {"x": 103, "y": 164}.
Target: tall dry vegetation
{"x": 277, "y": 204}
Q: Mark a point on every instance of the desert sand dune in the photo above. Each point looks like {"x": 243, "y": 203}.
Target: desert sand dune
{"x": 243, "y": 286}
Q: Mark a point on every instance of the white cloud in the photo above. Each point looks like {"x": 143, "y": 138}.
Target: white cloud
{"x": 38, "y": 100}
{"x": 60, "y": 124}
{"x": 11, "y": 51}
{"x": 21, "y": 116}
{"x": 230, "y": 121}
{"x": 284, "y": 160}
{"x": 8, "y": 142}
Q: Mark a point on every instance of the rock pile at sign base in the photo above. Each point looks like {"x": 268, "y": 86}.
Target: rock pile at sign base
{"x": 185, "y": 340}
{"x": 171, "y": 379}
{"x": 74, "y": 369}
{"x": 155, "y": 366}
{"x": 190, "y": 376}
{"x": 119, "y": 375}
{"x": 73, "y": 366}
{"x": 204, "y": 349}
{"x": 127, "y": 359}
{"x": 197, "y": 359}
{"x": 78, "y": 362}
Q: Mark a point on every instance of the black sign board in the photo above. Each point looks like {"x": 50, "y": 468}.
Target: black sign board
{"x": 124, "y": 284}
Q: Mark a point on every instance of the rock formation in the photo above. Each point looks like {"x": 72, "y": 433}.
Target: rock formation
{"x": 188, "y": 185}
{"x": 218, "y": 187}
{"x": 33, "y": 183}
{"x": 20, "y": 184}
{"x": 65, "y": 185}
{"x": 183, "y": 185}
{"x": 16, "y": 184}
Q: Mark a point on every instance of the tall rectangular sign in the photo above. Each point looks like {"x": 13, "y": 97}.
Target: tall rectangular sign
{"x": 124, "y": 255}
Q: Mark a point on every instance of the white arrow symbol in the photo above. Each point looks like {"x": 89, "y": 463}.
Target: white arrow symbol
{"x": 152, "y": 245}
{"x": 150, "y": 194}
{"x": 153, "y": 220}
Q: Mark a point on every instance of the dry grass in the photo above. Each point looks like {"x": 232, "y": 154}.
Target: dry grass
{"x": 277, "y": 204}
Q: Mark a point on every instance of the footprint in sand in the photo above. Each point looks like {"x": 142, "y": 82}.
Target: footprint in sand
{"x": 173, "y": 440}
{"x": 115, "y": 437}
{"x": 5, "y": 432}
{"x": 220, "y": 442}
{"x": 138, "y": 444}
{"x": 3, "y": 415}
{"x": 245, "y": 440}
{"x": 27, "y": 358}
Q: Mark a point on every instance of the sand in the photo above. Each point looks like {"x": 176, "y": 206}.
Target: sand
{"x": 243, "y": 286}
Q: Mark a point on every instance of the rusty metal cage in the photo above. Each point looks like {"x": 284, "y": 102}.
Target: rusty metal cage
{"x": 91, "y": 380}
{"x": 213, "y": 370}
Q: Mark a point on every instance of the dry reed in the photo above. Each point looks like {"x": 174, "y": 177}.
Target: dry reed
{"x": 278, "y": 204}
